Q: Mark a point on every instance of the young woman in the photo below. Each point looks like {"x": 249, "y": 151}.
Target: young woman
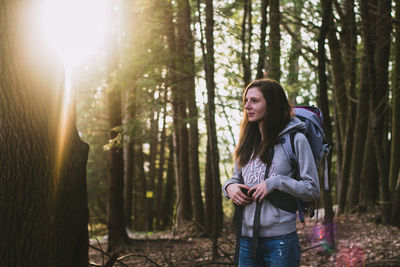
{"x": 267, "y": 116}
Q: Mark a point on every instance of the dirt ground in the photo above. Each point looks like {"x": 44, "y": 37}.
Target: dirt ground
{"x": 359, "y": 241}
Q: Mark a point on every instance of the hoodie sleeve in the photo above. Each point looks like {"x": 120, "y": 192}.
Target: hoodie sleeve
{"x": 236, "y": 179}
{"x": 307, "y": 187}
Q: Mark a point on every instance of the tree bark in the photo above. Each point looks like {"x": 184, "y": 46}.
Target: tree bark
{"x": 349, "y": 44}
{"x": 194, "y": 171}
{"x": 340, "y": 102}
{"x": 128, "y": 160}
{"x": 274, "y": 45}
{"x": 140, "y": 186}
{"x": 262, "y": 54}
{"x": 323, "y": 103}
{"x": 43, "y": 197}
{"x": 395, "y": 139}
{"x": 180, "y": 100}
{"x": 294, "y": 55}
{"x": 395, "y": 216}
{"x": 369, "y": 183}
{"x": 378, "y": 79}
{"x": 246, "y": 41}
{"x": 150, "y": 188}
{"x": 380, "y": 102}
{"x": 160, "y": 174}
{"x": 116, "y": 226}
{"x": 128, "y": 180}
{"x": 169, "y": 196}
{"x": 213, "y": 198}
{"x": 360, "y": 136}
{"x": 394, "y": 181}
{"x": 369, "y": 173}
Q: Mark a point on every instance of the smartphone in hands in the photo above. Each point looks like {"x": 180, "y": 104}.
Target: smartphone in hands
{"x": 246, "y": 192}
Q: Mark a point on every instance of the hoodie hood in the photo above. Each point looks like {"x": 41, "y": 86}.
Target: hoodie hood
{"x": 295, "y": 123}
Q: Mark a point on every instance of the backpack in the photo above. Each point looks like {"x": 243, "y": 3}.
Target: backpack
{"x": 312, "y": 117}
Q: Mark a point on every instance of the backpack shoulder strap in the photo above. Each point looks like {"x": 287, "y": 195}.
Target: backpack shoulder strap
{"x": 287, "y": 141}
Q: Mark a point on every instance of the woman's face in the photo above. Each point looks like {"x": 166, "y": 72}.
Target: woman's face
{"x": 255, "y": 105}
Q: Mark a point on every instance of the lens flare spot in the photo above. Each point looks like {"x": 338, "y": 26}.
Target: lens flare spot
{"x": 350, "y": 257}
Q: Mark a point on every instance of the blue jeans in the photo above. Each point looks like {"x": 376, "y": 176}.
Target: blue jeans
{"x": 277, "y": 251}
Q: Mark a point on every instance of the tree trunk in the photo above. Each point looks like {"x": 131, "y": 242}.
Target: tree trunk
{"x": 395, "y": 140}
{"x": 139, "y": 189}
{"x": 43, "y": 197}
{"x": 349, "y": 48}
{"x": 380, "y": 102}
{"x": 369, "y": 181}
{"x": 340, "y": 101}
{"x": 180, "y": 96}
{"x": 274, "y": 45}
{"x": 128, "y": 180}
{"x": 369, "y": 173}
{"x": 394, "y": 181}
{"x": 246, "y": 41}
{"x": 213, "y": 198}
{"x": 150, "y": 188}
{"x": 339, "y": 79}
{"x": 169, "y": 195}
{"x": 378, "y": 79}
{"x": 294, "y": 56}
{"x": 189, "y": 83}
{"x": 395, "y": 216}
{"x": 160, "y": 174}
{"x": 360, "y": 136}
{"x": 116, "y": 226}
{"x": 175, "y": 143}
{"x": 128, "y": 161}
{"x": 262, "y": 54}
{"x": 323, "y": 103}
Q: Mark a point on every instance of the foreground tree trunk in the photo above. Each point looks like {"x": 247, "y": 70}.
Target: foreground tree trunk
{"x": 43, "y": 198}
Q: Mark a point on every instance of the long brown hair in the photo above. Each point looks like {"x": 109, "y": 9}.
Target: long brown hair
{"x": 277, "y": 116}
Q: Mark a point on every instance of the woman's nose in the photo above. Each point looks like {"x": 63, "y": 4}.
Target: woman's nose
{"x": 247, "y": 105}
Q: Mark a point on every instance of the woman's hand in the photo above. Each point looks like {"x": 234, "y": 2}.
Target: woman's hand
{"x": 237, "y": 196}
{"x": 259, "y": 191}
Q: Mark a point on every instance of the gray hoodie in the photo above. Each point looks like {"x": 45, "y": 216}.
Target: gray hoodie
{"x": 274, "y": 221}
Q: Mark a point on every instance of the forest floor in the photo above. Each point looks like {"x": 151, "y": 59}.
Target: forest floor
{"x": 359, "y": 241}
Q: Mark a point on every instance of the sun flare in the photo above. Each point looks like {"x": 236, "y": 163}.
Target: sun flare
{"x": 74, "y": 28}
